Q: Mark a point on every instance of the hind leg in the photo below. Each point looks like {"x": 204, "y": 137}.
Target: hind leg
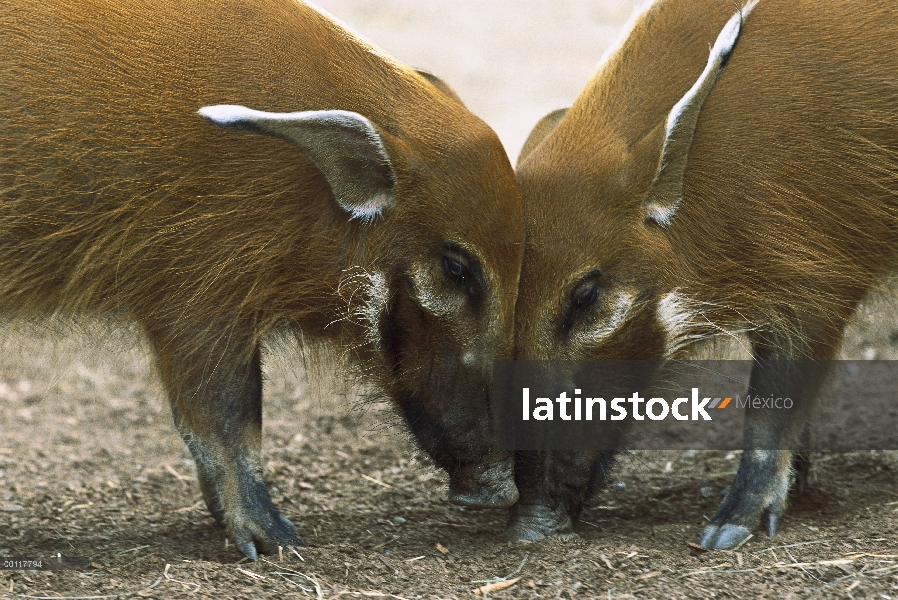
{"x": 801, "y": 463}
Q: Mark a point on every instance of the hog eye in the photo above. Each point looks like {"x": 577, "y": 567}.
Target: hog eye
{"x": 462, "y": 271}
{"x": 455, "y": 271}
{"x": 583, "y": 298}
{"x": 586, "y": 298}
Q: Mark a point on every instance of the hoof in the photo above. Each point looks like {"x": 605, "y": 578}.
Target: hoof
{"x": 532, "y": 522}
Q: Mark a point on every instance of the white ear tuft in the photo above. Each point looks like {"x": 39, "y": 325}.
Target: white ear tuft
{"x": 345, "y": 146}
{"x": 373, "y": 208}
{"x": 666, "y": 193}
{"x": 662, "y": 214}
{"x": 228, "y": 114}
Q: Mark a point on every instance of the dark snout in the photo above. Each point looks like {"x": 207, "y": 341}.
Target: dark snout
{"x": 460, "y": 441}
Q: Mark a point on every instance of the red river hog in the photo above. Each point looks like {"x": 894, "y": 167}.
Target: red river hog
{"x": 212, "y": 170}
{"x": 685, "y": 196}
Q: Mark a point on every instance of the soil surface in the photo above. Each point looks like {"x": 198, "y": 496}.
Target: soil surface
{"x": 90, "y": 464}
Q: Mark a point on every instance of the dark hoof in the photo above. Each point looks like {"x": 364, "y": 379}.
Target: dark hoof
{"x": 722, "y": 537}
{"x": 502, "y": 495}
{"x": 491, "y": 487}
{"x": 532, "y": 522}
{"x": 757, "y": 495}
{"x": 252, "y": 537}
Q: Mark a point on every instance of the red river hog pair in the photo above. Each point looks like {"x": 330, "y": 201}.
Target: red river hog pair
{"x": 373, "y": 210}
{"x": 685, "y": 196}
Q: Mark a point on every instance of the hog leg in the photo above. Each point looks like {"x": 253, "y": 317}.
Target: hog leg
{"x": 555, "y": 487}
{"x": 550, "y": 485}
{"x": 217, "y": 405}
{"x": 801, "y": 463}
{"x": 765, "y": 472}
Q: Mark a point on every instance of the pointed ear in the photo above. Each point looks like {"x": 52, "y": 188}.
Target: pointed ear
{"x": 543, "y": 128}
{"x": 666, "y": 192}
{"x": 345, "y": 146}
{"x": 440, "y": 85}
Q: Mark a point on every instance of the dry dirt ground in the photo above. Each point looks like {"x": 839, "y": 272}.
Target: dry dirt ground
{"x": 90, "y": 464}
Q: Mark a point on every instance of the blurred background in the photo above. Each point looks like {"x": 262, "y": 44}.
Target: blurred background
{"x": 511, "y": 61}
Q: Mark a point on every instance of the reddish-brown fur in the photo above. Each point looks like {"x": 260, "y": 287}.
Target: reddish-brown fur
{"x": 116, "y": 197}
{"x": 789, "y": 211}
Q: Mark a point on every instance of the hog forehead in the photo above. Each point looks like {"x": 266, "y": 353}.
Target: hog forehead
{"x": 491, "y": 219}
{"x": 495, "y": 238}
{"x": 466, "y": 194}
{"x": 563, "y": 250}
{"x": 575, "y": 206}
{"x": 576, "y": 220}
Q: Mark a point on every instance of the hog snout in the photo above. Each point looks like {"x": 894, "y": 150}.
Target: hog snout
{"x": 484, "y": 485}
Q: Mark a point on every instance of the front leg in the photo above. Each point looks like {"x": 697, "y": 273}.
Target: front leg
{"x": 766, "y": 471}
{"x": 217, "y": 405}
{"x": 550, "y": 486}
{"x": 554, "y": 488}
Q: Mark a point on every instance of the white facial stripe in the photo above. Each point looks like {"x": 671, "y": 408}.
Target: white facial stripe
{"x": 673, "y": 314}
{"x": 372, "y": 309}
{"x": 679, "y": 322}
{"x": 622, "y": 305}
{"x": 367, "y": 296}
{"x": 428, "y": 296}
{"x": 687, "y": 322}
